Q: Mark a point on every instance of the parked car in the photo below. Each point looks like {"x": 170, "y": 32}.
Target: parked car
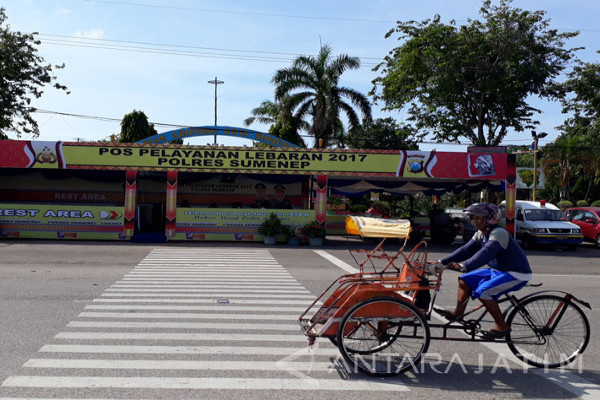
{"x": 462, "y": 223}
{"x": 467, "y": 229}
{"x": 588, "y": 219}
{"x": 539, "y": 222}
{"x": 442, "y": 226}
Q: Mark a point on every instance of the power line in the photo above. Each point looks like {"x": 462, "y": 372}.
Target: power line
{"x": 274, "y": 15}
{"x": 177, "y": 50}
{"x": 103, "y": 119}
{"x": 181, "y": 50}
{"x": 112, "y": 120}
{"x": 168, "y": 45}
{"x": 127, "y": 3}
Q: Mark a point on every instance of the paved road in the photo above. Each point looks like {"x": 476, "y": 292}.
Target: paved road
{"x": 218, "y": 321}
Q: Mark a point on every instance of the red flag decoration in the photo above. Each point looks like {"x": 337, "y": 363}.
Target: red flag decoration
{"x": 130, "y": 203}
{"x": 171, "y": 212}
{"x": 321, "y": 199}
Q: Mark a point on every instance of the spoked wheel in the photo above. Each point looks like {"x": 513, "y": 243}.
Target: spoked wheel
{"x": 383, "y": 336}
{"x": 549, "y": 332}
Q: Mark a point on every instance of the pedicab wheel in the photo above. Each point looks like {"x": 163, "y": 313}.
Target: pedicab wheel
{"x": 383, "y": 336}
{"x": 548, "y": 331}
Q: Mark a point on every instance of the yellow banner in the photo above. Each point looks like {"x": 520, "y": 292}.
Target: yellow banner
{"x": 237, "y": 159}
{"x": 238, "y": 224}
{"x": 61, "y": 221}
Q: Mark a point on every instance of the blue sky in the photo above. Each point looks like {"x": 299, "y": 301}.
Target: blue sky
{"x": 242, "y": 43}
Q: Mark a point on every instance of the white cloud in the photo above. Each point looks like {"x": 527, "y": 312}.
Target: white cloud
{"x": 62, "y": 11}
{"x": 90, "y": 34}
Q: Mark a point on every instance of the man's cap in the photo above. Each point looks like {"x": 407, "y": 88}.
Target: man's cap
{"x": 259, "y": 186}
{"x": 279, "y": 187}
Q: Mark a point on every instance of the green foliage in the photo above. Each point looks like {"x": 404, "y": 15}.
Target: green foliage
{"x": 23, "y": 75}
{"x": 581, "y": 131}
{"x": 380, "y": 207}
{"x": 271, "y": 226}
{"x": 310, "y": 88}
{"x": 582, "y": 203}
{"x": 135, "y": 127}
{"x": 583, "y": 82}
{"x": 384, "y": 134}
{"x": 596, "y": 203}
{"x": 314, "y": 230}
{"x": 564, "y": 204}
{"x": 474, "y": 80}
{"x": 289, "y": 231}
{"x": 283, "y": 124}
{"x": 359, "y": 208}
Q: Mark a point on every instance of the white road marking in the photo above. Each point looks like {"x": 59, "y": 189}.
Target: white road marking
{"x": 220, "y": 289}
{"x": 569, "y": 381}
{"x": 202, "y": 383}
{"x": 216, "y": 283}
{"x": 141, "y": 293}
{"x": 220, "y": 294}
{"x": 224, "y": 307}
{"x": 209, "y": 301}
{"x": 184, "y": 325}
{"x": 179, "y": 336}
{"x": 564, "y": 276}
{"x": 229, "y": 307}
{"x": 176, "y": 364}
{"x": 337, "y": 262}
{"x": 258, "y": 289}
{"x": 206, "y": 350}
{"x": 274, "y": 317}
{"x": 227, "y": 273}
{"x": 584, "y": 389}
{"x": 184, "y": 301}
{"x": 248, "y": 265}
{"x": 212, "y": 279}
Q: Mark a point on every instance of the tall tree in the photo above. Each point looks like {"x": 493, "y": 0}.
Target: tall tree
{"x": 283, "y": 123}
{"x": 583, "y": 126}
{"x": 23, "y": 75}
{"x": 474, "y": 81}
{"x": 135, "y": 127}
{"x": 584, "y": 84}
{"x": 310, "y": 87}
{"x": 383, "y": 134}
{"x": 558, "y": 160}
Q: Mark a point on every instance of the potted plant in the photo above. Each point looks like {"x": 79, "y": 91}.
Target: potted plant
{"x": 315, "y": 232}
{"x": 292, "y": 236}
{"x": 270, "y": 228}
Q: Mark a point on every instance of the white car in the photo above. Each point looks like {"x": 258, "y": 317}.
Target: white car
{"x": 543, "y": 223}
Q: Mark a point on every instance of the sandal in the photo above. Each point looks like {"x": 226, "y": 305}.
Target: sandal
{"x": 446, "y": 314}
{"x": 493, "y": 334}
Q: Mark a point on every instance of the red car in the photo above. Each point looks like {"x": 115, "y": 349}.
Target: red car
{"x": 588, "y": 219}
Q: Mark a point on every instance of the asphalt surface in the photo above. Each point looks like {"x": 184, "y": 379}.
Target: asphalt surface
{"x": 45, "y": 286}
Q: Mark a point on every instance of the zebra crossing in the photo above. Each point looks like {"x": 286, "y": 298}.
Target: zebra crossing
{"x": 188, "y": 324}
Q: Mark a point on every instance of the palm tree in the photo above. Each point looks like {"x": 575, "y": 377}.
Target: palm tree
{"x": 310, "y": 88}
{"x": 283, "y": 123}
{"x": 266, "y": 113}
{"x": 558, "y": 158}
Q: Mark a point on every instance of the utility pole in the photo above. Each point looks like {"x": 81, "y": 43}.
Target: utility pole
{"x": 216, "y": 82}
{"x": 535, "y": 151}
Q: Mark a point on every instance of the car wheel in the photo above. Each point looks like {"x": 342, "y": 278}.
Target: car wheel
{"x": 527, "y": 243}
{"x": 598, "y": 241}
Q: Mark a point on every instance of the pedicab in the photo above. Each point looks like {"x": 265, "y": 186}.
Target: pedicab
{"x": 379, "y": 318}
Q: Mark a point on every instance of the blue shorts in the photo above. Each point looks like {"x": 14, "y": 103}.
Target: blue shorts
{"x": 490, "y": 284}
